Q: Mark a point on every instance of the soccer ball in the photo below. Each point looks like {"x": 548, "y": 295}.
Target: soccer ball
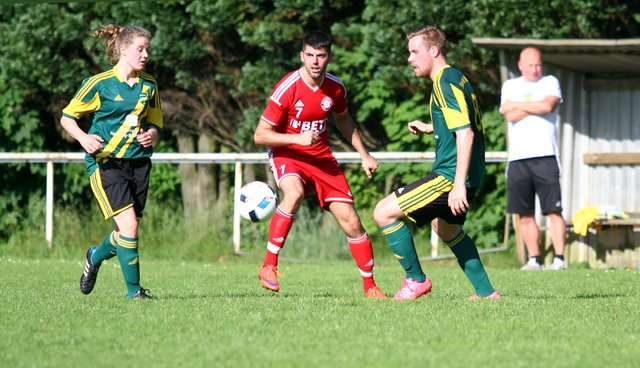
{"x": 257, "y": 201}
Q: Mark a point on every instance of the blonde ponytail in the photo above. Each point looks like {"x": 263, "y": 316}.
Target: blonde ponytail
{"x": 119, "y": 36}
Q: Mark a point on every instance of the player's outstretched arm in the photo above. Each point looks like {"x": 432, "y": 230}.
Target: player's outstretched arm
{"x": 418, "y": 126}
{"x": 349, "y": 130}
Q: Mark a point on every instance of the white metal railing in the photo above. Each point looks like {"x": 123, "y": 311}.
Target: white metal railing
{"x": 209, "y": 158}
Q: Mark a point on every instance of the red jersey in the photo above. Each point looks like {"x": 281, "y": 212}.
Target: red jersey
{"x": 295, "y": 107}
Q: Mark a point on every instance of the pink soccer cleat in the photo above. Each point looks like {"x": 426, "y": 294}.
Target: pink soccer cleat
{"x": 411, "y": 289}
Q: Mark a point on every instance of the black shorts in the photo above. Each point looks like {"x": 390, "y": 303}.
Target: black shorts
{"x": 428, "y": 198}
{"x": 526, "y": 178}
{"x": 120, "y": 184}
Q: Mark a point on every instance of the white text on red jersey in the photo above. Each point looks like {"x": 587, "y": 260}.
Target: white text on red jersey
{"x": 315, "y": 125}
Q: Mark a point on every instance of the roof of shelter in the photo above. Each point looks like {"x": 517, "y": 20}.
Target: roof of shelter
{"x": 619, "y": 56}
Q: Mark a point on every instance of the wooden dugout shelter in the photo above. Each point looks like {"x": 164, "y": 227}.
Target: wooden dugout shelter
{"x": 599, "y": 137}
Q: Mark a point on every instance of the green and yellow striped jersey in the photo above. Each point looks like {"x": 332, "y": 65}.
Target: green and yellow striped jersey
{"x": 119, "y": 112}
{"x": 453, "y": 107}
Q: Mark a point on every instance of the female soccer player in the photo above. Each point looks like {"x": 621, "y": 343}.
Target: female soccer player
{"x": 126, "y": 122}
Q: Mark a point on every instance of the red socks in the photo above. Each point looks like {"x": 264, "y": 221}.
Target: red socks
{"x": 362, "y": 253}
{"x": 361, "y": 249}
{"x": 278, "y": 230}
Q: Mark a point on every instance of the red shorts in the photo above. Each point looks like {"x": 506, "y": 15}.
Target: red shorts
{"x": 323, "y": 177}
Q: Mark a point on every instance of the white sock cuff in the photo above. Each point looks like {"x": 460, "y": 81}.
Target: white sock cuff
{"x": 361, "y": 239}
{"x": 284, "y": 213}
{"x": 273, "y": 248}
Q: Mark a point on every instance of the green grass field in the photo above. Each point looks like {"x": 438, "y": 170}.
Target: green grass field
{"x": 216, "y": 314}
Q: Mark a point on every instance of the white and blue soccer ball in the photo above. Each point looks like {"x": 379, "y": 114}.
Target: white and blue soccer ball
{"x": 257, "y": 201}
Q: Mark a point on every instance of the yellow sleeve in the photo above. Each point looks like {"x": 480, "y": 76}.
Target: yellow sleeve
{"x": 154, "y": 115}
{"x": 77, "y": 108}
{"x": 456, "y": 111}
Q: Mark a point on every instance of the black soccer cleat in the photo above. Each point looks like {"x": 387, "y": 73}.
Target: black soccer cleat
{"x": 142, "y": 294}
{"x": 90, "y": 274}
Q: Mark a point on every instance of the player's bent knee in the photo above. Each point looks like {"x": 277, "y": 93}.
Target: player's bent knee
{"x": 382, "y": 214}
{"x": 354, "y": 228}
{"x": 294, "y": 198}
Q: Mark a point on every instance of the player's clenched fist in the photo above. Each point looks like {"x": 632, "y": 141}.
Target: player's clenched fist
{"x": 309, "y": 137}
{"x": 417, "y": 126}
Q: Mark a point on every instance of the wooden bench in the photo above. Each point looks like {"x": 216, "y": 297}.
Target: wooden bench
{"x": 611, "y": 243}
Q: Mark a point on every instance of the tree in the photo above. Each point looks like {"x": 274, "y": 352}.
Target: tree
{"x": 216, "y": 62}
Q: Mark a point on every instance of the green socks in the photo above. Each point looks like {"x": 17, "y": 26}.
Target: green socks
{"x": 105, "y": 250}
{"x": 469, "y": 260}
{"x": 401, "y": 242}
{"x": 129, "y": 262}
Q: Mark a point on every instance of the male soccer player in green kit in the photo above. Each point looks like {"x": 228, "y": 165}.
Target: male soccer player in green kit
{"x": 458, "y": 170}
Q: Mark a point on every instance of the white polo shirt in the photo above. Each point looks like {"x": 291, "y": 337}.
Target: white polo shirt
{"x": 535, "y": 135}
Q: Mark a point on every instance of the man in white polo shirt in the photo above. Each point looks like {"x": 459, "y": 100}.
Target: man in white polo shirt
{"x": 529, "y": 104}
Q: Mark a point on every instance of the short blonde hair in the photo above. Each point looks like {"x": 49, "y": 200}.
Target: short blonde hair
{"x": 432, "y": 36}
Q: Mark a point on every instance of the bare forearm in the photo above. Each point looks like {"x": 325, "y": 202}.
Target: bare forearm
{"x": 464, "y": 144}
{"x": 274, "y": 139}
{"x": 265, "y": 135}
{"x": 542, "y": 107}
{"x": 90, "y": 142}
{"x": 356, "y": 142}
{"x": 268, "y": 137}
{"x": 515, "y": 115}
{"x": 71, "y": 127}
{"x": 534, "y": 107}
{"x": 348, "y": 129}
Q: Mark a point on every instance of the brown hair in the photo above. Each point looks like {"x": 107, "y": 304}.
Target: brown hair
{"x": 118, "y": 36}
{"x": 318, "y": 40}
{"x": 432, "y": 36}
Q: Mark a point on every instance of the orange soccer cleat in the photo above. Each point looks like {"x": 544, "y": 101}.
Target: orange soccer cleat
{"x": 375, "y": 293}
{"x": 268, "y": 276}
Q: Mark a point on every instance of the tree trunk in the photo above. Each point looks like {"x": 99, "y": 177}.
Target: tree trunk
{"x": 188, "y": 176}
{"x": 225, "y": 180}
{"x": 207, "y": 190}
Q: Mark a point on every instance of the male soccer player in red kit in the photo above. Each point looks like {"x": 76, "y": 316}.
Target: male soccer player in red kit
{"x": 294, "y": 125}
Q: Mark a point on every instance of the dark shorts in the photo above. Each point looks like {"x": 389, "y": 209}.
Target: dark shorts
{"x": 428, "y": 198}
{"x": 526, "y": 178}
{"x": 120, "y": 184}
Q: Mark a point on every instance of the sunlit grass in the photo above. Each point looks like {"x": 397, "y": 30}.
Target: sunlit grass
{"x": 216, "y": 314}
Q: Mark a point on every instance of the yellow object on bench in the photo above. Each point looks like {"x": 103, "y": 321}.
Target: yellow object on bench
{"x": 589, "y": 215}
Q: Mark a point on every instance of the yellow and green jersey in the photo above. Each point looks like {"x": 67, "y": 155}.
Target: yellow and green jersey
{"x": 119, "y": 112}
{"x": 453, "y": 107}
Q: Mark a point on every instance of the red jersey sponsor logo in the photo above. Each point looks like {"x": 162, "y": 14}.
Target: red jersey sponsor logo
{"x": 314, "y": 125}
